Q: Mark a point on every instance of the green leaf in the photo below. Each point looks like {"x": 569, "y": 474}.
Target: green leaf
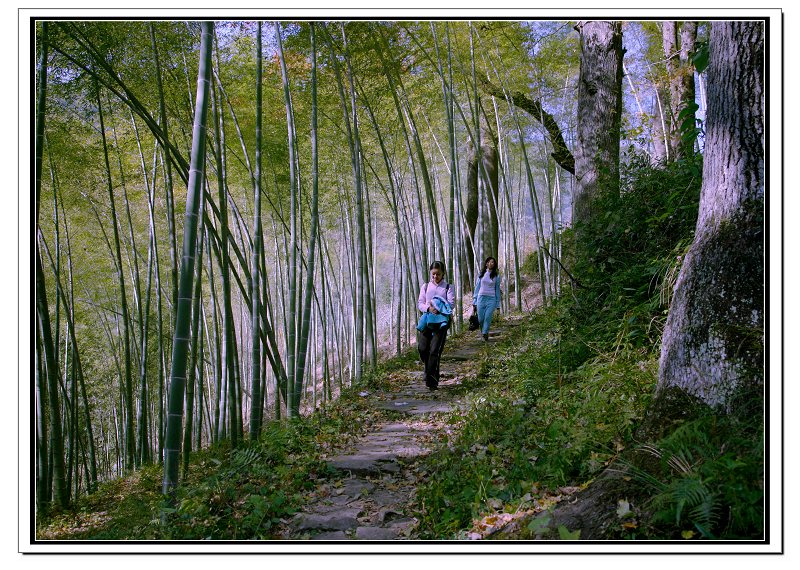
{"x": 539, "y": 525}
{"x": 700, "y": 58}
{"x": 689, "y": 110}
{"x": 691, "y": 135}
{"x": 565, "y": 534}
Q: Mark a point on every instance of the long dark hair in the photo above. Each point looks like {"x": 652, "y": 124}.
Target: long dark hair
{"x": 439, "y": 265}
{"x": 493, "y": 274}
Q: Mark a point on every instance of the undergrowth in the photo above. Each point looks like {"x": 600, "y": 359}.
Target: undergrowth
{"x": 242, "y": 493}
{"x": 561, "y": 400}
{"x": 554, "y": 404}
{"x": 705, "y": 479}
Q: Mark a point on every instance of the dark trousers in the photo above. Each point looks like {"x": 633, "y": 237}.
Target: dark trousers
{"x": 430, "y": 344}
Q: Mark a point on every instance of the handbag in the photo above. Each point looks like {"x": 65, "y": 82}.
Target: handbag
{"x": 473, "y": 322}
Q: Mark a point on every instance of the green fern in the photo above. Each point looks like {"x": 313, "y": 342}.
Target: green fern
{"x": 705, "y": 515}
{"x": 687, "y": 492}
{"x": 244, "y": 457}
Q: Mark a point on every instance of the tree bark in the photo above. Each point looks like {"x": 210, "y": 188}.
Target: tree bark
{"x": 472, "y": 205}
{"x": 490, "y": 238}
{"x": 681, "y": 83}
{"x": 713, "y": 340}
{"x": 599, "y": 112}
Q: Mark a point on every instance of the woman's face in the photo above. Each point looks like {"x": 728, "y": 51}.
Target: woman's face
{"x": 436, "y": 275}
{"x": 491, "y": 264}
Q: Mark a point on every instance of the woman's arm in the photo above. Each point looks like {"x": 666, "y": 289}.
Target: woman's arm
{"x": 498, "y": 291}
{"x": 422, "y": 302}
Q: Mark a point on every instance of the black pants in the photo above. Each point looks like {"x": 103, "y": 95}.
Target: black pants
{"x": 430, "y": 344}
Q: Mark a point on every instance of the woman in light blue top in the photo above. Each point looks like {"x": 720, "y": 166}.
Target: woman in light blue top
{"x": 487, "y": 295}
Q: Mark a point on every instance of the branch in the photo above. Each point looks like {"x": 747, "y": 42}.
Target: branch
{"x": 561, "y": 153}
{"x": 571, "y": 276}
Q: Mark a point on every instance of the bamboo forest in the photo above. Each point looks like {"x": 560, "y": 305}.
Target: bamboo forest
{"x": 402, "y": 280}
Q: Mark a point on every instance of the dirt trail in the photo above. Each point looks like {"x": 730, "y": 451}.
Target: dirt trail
{"x": 371, "y": 493}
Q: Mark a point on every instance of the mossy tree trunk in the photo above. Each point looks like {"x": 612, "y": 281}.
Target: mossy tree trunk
{"x": 713, "y": 340}
{"x": 599, "y": 112}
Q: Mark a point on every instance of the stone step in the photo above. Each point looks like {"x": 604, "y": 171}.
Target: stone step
{"x": 376, "y": 533}
{"x": 412, "y": 406}
{"x": 364, "y": 465}
{"x": 341, "y": 519}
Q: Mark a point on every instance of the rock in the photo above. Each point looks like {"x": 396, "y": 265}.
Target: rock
{"x": 403, "y": 526}
{"x": 341, "y": 519}
{"x": 389, "y": 515}
{"x": 375, "y": 533}
{"x": 357, "y": 487}
{"x": 384, "y": 498}
{"x": 401, "y": 523}
{"x": 457, "y": 357}
{"x": 337, "y": 535}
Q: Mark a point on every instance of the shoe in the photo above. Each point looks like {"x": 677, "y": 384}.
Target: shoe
{"x": 486, "y": 337}
{"x": 433, "y": 387}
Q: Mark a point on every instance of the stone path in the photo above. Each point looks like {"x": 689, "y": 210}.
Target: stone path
{"x": 370, "y": 496}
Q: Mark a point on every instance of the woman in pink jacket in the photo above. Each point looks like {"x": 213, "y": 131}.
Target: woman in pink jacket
{"x": 430, "y": 340}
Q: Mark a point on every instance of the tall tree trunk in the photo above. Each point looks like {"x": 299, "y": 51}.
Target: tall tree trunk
{"x": 679, "y": 43}
{"x": 173, "y": 239}
{"x": 362, "y": 280}
{"x": 713, "y": 344}
{"x": 599, "y": 112}
{"x": 227, "y": 428}
{"x": 472, "y": 208}
{"x": 292, "y": 403}
{"x": 57, "y": 462}
{"x": 490, "y": 238}
{"x": 255, "y": 273}
{"x": 67, "y": 299}
{"x": 423, "y": 224}
{"x": 180, "y": 346}
{"x": 196, "y": 341}
{"x": 143, "y": 449}
{"x": 44, "y": 370}
{"x": 42, "y": 456}
{"x": 661, "y": 146}
{"x": 309, "y": 288}
{"x": 130, "y": 436}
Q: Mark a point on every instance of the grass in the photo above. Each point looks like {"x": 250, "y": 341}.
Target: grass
{"x": 529, "y": 431}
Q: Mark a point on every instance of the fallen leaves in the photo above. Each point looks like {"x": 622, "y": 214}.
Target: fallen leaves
{"x": 529, "y": 506}
{"x": 490, "y": 524}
